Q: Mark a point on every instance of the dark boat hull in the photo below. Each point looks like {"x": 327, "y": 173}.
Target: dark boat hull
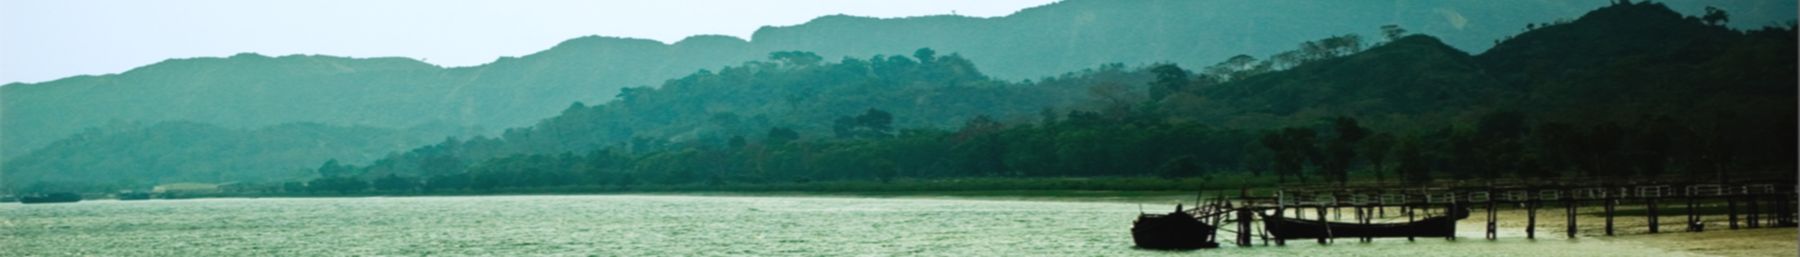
{"x": 1293, "y": 228}
{"x": 51, "y": 198}
{"x": 1176, "y": 231}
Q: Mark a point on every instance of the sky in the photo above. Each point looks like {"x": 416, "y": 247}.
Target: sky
{"x": 43, "y": 40}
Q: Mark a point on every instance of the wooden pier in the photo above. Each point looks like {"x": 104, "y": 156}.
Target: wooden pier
{"x": 1744, "y": 206}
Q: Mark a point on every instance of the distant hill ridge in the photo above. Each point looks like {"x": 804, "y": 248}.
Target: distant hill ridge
{"x": 248, "y": 90}
{"x": 1619, "y": 63}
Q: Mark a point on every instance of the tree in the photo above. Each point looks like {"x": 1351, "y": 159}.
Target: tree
{"x": 1116, "y": 99}
{"x": 1502, "y": 124}
{"x": 1600, "y": 148}
{"x": 1651, "y": 145}
{"x": 1287, "y": 60}
{"x": 1413, "y": 166}
{"x": 736, "y": 142}
{"x": 1392, "y": 32}
{"x": 1342, "y": 149}
{"x": 395, "y": 183}
{"x": 926, "y": 55}
{"x": 628, "y": 94}
{"x": 1375, "y": 149}
{"x": 780, "y": 136}
{"x": 796, "y": 58}
{"x": 875, "y": 119}
{"x": 1236, "y": 67}
{"x": 441, "y": 164}
{"x": 1292, "y": 147}
{"x": 332, "y": 169}
{"x": 1342, "y": 45}
{"x": 1715, "y": 16}
{"x": 337, "y": 184}
{"x": 1558, "y": 146}
{"x": 1180, "y": 166}
{"x": 873, "y": 123}
{"x": 1169, "y": 80}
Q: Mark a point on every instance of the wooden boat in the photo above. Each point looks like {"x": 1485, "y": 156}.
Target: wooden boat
{"x": 51, "y": 198}
{"x": 1289, "y": 228}
{"x": 1173, "y": 231}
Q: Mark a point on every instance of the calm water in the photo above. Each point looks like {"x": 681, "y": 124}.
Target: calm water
{"x": 649, "y": 226}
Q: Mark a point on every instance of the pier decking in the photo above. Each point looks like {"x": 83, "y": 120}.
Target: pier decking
{"x": 1752, "y": 205}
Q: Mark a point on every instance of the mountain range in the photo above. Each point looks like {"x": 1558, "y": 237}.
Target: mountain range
{"x": 249, "y": 91}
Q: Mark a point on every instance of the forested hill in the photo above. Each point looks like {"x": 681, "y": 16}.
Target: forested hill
{"x": 793, "y": 96}
{"x": 137, "y": 156}
{"x": 248, "y": 91}
{"x": 1402, "y": 81}
{"x": 1409, "y": 106}
{"x": 1628, "y": 89}
{"x": 1640, "y": 59}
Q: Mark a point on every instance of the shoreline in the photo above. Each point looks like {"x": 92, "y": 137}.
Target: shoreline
{"x": 1717, "y": 240}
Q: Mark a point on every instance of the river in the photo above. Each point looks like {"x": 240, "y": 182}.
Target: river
{"x": 654, "y": 225}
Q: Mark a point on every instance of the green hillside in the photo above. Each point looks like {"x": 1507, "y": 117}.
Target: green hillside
{"x": 249, "y": 91}
{"x": 1635, "y": 76}
{"x": 1415, "y": 104}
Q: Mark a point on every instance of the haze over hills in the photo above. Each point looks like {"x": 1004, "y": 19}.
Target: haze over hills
{"x": 1658, "y": 96}
{"x": 247, "y": 91}
{"x": 135, "y": 156}
{"x": 1438, "y": 82}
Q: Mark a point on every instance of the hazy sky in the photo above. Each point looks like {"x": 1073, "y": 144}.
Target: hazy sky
{"x": 42, "y": 40}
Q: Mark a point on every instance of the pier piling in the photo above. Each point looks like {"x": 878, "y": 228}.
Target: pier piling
{"x": 1610, "y": 206}
{"x": 1531, "y": 218}
{"x": 1368, "y": 205}
{"x": 1569, "y": 202}
{"x": 1731, "y": 211}
{"x": 1650, "y": 203}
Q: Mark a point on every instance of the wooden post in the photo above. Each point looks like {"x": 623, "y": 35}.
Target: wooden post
{"x": 1787, "y": 210}
{"x": 1531, "y": 217}
{"x": 1299, "y": 213}
{"x": 1380, "y": 210}
{"x": 1491, "y": 234}
{"x": 1784, "y": 215}
{"x": 1358, "y": 216}
{"x": 1452, "y": 208}
{"x": 1569, "y": 201}
{"x": 1755, "y": 213}
{"x": 1731, "y": 210}
{"x": 1409, "y": 217}
{"x": 1243, "y": 235}
{"x": 1322, "y": 209}
{"x": 1337, "y": 206}
{"x": 1610, "y": 204}
{"x": 1279, "y": 212}
{"x": 1365, "y": 213}
{"x": 1693, "y": 218}
{"x": 1650, "y": 202}
{"x": 1263, "y": 231}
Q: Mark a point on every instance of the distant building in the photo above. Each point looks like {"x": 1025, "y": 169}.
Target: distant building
{"x": 186, "y": 188}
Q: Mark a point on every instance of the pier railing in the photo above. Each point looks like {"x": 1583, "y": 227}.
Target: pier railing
{"x": 1750, "y": 205}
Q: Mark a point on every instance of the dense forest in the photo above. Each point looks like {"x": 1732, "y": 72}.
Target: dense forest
{"x": 249, "y": 91}
{"x": 1628, "y": 92}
